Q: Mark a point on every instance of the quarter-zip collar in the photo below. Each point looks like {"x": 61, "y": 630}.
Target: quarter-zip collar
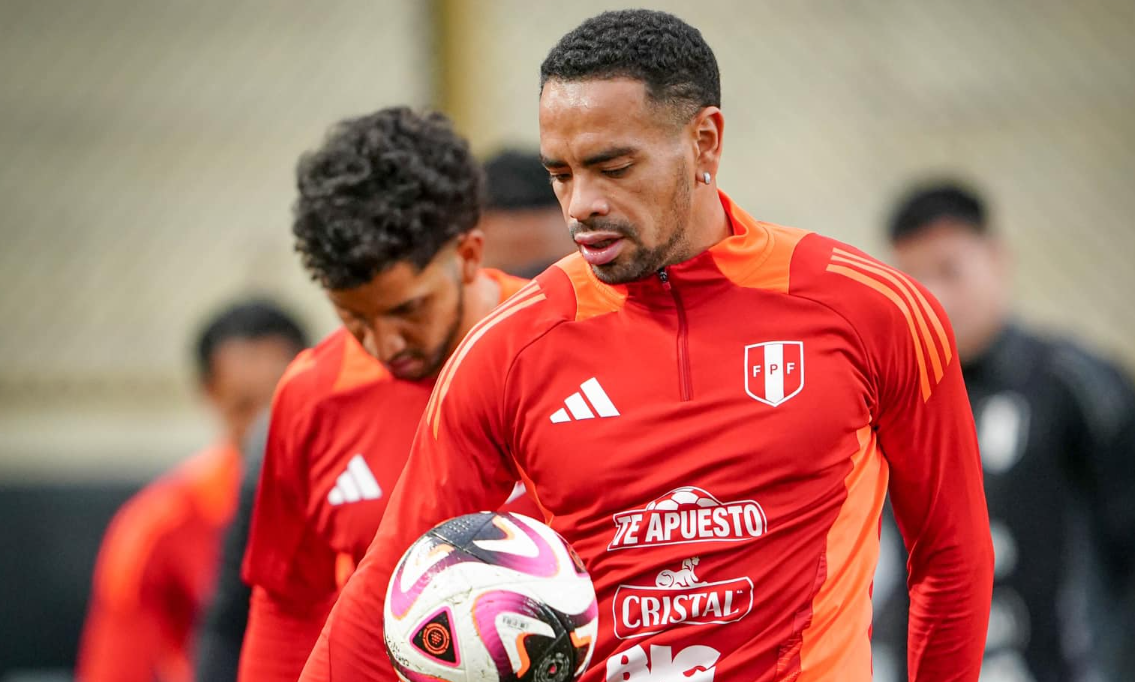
{"x": 701, "y": 277}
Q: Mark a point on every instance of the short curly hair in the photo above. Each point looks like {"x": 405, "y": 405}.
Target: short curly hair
{"x": 390, "y": 187}
{"x": 668, "y": 55}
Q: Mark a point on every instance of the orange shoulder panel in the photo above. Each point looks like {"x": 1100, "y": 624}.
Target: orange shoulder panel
{"x": 758, "y": 255}
{"x": 357, "y": 367}
{"x": 508, "y": 284}
{"x": 592, "y": 297}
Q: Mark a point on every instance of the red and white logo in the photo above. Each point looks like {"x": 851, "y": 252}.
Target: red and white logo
{"x": 678, "y": 598}
{"x": 695, "y": 663}
{"x": 774, "y": 371}
{"x": 686, "y": 515}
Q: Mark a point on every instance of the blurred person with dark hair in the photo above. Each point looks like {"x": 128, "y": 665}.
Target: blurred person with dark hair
{"x": 155, "y": 569}
{"x": 1056, "y": 430}
{"x": 386, "y": 222}
{"x": 524, "y": 227}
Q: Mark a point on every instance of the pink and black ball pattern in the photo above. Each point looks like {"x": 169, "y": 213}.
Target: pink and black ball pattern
{"x": 520, "y": 628}
{"x": 543, "y": 659}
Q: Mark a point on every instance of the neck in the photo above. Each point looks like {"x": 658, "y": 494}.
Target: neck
{"x": 481, "y": 296}
{"x": 709, "y": 224}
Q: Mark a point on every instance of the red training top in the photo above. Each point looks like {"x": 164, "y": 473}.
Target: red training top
{"x": 716, "y": 442}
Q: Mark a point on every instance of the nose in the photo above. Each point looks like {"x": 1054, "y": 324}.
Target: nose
{"x": 587, "y": 201}
{"x": 384, "y": 340}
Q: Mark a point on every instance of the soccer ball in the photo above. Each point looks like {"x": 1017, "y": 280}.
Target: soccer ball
{"x": 490, "y": 596}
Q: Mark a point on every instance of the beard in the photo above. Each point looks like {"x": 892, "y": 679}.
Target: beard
{"x": 641, "y": 261}
{"x": 436, "y": 357}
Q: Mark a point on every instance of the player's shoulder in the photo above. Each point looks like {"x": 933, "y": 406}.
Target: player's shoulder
{"x": 559, "y": 294}
{"x": 867, "y": 292}
{"x": 818, "y": 257}
{"x": 336, "y": 364}
{"x": 509, "y": 284}
{"x": 204, "y": 483}
{"x": 150, "y": 519}
{"x": 564, "y": 293}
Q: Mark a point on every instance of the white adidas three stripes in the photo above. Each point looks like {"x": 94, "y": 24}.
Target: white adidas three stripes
{"x": 580, "y": 409}
{"x": 355, "y": 484}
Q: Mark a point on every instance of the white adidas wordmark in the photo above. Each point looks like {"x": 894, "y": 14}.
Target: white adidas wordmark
{"x": 580, "y": 409}
{"x": 355, "y": 484}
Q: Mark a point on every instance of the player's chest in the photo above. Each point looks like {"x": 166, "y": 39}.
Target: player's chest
{"x": 730, "y": 397}
{"x": 356, "y": 458}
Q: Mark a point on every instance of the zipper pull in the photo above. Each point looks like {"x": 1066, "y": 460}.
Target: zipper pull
{"x": 664, "y": 278}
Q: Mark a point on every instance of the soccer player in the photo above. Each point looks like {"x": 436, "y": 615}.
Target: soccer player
{"x": 386, "y": 223}
{"x": 1056, "y": 427}
{"x": 155, "y": 568}
{"x": 524, "y": 229}
{"x": 698, "y": 384}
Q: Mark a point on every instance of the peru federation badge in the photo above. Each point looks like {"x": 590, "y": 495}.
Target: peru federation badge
{"x": 774, "y": 371}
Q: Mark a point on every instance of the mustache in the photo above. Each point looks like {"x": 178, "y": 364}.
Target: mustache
{"x": 619, "y": 227}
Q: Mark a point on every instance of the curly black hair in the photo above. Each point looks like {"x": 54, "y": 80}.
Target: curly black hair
{"x": 668, "y": 55}
{"x": 389, "y": 187}
{"x": 930, "y": 203}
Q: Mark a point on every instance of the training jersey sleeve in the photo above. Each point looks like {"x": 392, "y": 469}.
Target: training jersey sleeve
{"x": 459, "y": 464}
{"x": 925, "y": 428}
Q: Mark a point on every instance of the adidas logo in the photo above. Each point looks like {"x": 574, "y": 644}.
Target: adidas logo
{"x": 355, "y": 484}
{"x": 580, "y": 409}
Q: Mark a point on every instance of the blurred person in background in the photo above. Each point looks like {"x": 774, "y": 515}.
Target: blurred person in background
{"x": 1056, "y": 430}
{"x": 387, "y": 223}
{"x": 158, "y": 557}
{"x": 523, "y": 225}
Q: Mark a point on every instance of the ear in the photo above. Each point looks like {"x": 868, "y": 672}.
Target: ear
{"x": 470, "y": 250}
{"x": 708, "y": 128}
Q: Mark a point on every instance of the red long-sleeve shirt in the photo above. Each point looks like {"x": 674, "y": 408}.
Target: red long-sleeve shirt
{"x": 340, "y": 431}
{"x": 155, "y": 573}
{"x": 716, "y": 443}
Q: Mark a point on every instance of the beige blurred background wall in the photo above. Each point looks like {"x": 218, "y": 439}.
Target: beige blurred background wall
{"x": 148, "y": 151}
{"x": 146, "y": 178}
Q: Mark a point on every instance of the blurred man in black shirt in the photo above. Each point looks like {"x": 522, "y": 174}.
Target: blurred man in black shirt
{"x": 1056, "y": 427}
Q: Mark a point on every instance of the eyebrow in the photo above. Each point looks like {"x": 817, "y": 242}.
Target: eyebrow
{"x": 593, "y": 160}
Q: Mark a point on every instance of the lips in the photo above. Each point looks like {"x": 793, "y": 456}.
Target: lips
{"x": 404, "y": 366}
{"x": 600, "y": 248}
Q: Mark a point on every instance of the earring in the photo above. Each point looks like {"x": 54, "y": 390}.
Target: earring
{"x": 705, "y": 177}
